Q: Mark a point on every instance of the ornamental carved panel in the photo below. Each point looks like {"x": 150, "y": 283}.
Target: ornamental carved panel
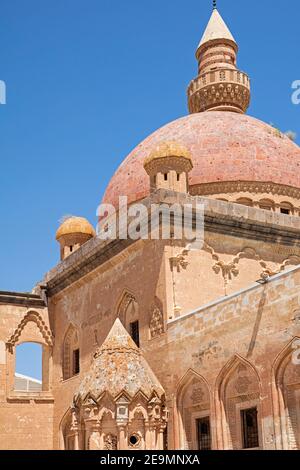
{"x": 156, "y": 323}
{"x": 110, "y": 442}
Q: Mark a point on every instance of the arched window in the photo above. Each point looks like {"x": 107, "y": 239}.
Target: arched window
{"x": 193, "y": 404}
{"x": 239, "y": 405}
{"x": 286, "y": 208}
{"x": 30, "y": 351}
{"x": 29, "y": 367}
{"x": 128, "y": 312}
{"x": 71, "y": 354}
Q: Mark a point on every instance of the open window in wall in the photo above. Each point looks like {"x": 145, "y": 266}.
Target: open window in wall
{"x": 193, "y": 404}
{"x": 249, "y": 420}
{"x": 204, "y": 433}
{"x": 71, "y": 354}
{"x": 240, "y": 400}
{"x": 135, "y": 332}
{"x": 128, "y": 312}
{"x": 29, "y": 368}
{"x": 286, "y": 208}
{"x": 29, "y": 356}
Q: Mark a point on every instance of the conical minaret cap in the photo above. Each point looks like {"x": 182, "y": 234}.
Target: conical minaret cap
{"x": 215, "y": 30}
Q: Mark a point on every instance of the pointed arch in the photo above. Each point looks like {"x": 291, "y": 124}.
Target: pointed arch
{"x": 227, "y": 369}
{"x": 238, "y": 388}
{"x": 286, "y": 397}
{"x": 138, "y": 410}
{"x": 193, "y": 402}
{"x": 64, "y": 427}
{"x": 71, "y": 353}
{"x": 126, "y": 299}
{"x": 31, "y": 329}
{"x": 35, "y": 317}
{"x": 106, "y": 413}
{"x": 128, "y": 313}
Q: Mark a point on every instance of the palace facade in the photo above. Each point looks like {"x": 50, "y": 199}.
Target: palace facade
{"x": 153, "y": 344}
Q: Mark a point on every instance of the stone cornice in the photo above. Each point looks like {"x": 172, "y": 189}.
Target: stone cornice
{"x": 220, "y": 217}
{"x": 21, "y": 299}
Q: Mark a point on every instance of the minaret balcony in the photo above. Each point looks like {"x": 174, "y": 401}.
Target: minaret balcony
{"x": 220, "y": 90}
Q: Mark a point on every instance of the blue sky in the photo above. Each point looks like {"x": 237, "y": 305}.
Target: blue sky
{"x": 87, "y": 80}
{"x": 29, "y": 360}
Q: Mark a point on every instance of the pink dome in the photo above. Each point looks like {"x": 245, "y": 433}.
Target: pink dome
{"x": 224, "y": 146}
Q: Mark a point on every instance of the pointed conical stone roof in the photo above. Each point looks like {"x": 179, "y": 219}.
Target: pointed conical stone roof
{"x": 119, "y": 367}
{"x": 216, "y": 29}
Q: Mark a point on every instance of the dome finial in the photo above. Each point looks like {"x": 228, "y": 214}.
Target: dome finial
{"x": 214, "y": 4}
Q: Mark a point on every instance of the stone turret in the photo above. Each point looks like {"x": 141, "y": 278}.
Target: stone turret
{"x": 168, "y": 166}
{"x": 72, "y": 234}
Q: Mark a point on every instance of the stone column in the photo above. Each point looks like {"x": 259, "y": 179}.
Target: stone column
{"x": 122, "y": 444}
{"x": 76, "y": 440}
{"x": 148, "y": 440}
{"x": 75, "y": 429}
{"x": 160, "y": 437}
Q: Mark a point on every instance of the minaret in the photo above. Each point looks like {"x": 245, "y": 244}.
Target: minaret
{"x": 220, "y": 86}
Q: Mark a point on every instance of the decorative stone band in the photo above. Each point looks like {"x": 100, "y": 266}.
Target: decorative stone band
{"x": 254, "y": 187}
{"x": 271, "y": 196}
{"x": 220, "y": 90}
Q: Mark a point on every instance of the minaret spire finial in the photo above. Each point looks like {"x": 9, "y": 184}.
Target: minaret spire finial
{"x": 214, "y": 4}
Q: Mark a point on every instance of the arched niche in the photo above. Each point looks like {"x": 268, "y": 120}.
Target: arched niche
{"x": 267, "y": 204}
{"x": 194, "y": 410}
{"x": 238, "y": 406}
{"x": 71, "y": 353}
{"x": 128, "y": 312}
{"x": 286, "y": 396}
{"x": 244, "y": 201}
{"x": 137, "y": 430}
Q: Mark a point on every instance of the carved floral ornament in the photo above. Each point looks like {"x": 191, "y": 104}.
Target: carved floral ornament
{"x": 110, "y": 442}
{"x": 229, "y": 270}
{"x": 156, "y": 322}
